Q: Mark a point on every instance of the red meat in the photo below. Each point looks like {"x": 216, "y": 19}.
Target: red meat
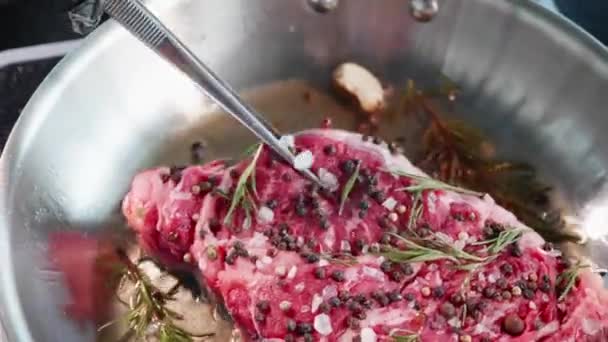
{"x": 298, "y": 269}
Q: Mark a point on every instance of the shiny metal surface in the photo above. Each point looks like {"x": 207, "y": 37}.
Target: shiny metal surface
{"x": 534, "y": 82}
{"x": 149, "y": 29}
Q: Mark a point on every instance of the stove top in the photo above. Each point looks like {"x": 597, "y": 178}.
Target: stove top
{"x": 36, "y": 24}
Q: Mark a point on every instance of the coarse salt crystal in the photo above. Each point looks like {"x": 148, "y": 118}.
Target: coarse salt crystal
{"x": 287, "y": 141}
{"x": 299, "y": 287}
{"x": 532, "y": 306}
{"x": 454, "y": 322}
{"x": 265, "y": 214}
{"x": 303, "y": 161}
{"x": 316, "y": 301}
{"x": 492, "y": 278}
{"x": 267, "y": 260}
{"x": 323, "y": 262}
{"x": 328, "y": 179}
{"x": 281, "y": 271}
{"x": 305, "y": 308}
{"x": 393, "y": 217}
{"x": 463, "y": 236}
{"x": 401, "y": 209}
{"x": 330, "y": 291}
{"x": 285, "y": 305}
{"x": 322, "y": 324}
{"x": 368, "y": 335}
{"x": 373, "y": 272}
{"x": 459, "y": 244}
{"x": 389, "y": 203}
{"x": 292, "y": 272}
{"x": 345, "y": 246}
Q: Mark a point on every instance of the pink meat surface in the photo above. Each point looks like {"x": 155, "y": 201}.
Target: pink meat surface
{"x": 296, "y": 269}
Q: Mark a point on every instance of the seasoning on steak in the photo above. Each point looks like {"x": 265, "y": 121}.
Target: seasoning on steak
{"x": 406, "y": 256}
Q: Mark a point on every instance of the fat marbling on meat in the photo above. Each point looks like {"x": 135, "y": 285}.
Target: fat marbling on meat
{"x": 288, "y": 265}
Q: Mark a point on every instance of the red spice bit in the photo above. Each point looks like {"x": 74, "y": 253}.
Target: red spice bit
{"x": 447, "y": 310}
{"x": 513, "y": 325}
{"x": 456, "y": 299}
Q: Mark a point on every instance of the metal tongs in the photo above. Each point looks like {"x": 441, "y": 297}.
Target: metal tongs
{"x": 144, "y": 25}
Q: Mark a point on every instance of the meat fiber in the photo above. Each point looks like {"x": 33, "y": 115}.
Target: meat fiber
{"x": 290, "y": 264}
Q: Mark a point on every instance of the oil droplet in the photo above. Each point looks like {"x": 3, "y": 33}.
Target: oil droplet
{"x": 424, "y": 10}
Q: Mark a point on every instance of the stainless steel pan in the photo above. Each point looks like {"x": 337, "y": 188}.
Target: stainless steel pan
{"x": 533, "y": 81}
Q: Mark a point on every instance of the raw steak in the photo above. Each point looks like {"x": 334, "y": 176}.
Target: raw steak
{"x": 405, "y": 259}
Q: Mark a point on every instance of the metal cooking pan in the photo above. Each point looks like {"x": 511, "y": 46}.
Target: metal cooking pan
{"x": 533, "y": 81}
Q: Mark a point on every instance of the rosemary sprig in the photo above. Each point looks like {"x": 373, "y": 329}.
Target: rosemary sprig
{"x": 241, "y": 193}
{"x": 567, "y": 279}
{"x": 416, "y": 210}
{"x": 434, "y": 249}
{"x": 147, "y": 308}
{"x": 416, "y": 254}
{"x": 348, "y": 187}
{"x": 425, "y": 183}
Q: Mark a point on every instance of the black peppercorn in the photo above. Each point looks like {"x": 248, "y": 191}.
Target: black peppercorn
{"x": 407, "y": 269}
{"x": 386, "y": 266}
{"x": 303, "y": 328}
{"x": 489, "y": 292}
{"x": 330, "y": 150}
{"x": 320, "y": 273}
{"x": 291, "y": 325}
{"x": 335, "y": 302}
{"x": 348, "y": 166}
{"x": 337, "y": 275}
{"x": 395, "y": 296}
{"x": 447, "y": 310}
{"x": 438, "y": 291}
{"x": 272, "y": 204}
{"x": 263, "y": 306}
{"x": 506, "y": 268}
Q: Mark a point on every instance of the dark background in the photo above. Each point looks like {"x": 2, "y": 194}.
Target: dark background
{"x": 31, "y": 22}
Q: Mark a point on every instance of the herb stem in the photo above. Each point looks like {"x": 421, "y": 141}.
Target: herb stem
{"x": 348, "y": 187}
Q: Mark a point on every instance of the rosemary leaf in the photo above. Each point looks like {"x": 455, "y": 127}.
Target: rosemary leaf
{"x": 416, "y": 252}
{"x": 348, "y": 187}
{"x": 425, "y": 183}
{"x": 504, "y": 239}
{"x": 415, "y": 212}
{"x": 250, "y": 150}
{"x": 405, "y": 337}
{"x": 340, "y": 259}
{"x": 416, "y": 255}
{"x": 241, "y": 187}
{"x": 567, "y": 279}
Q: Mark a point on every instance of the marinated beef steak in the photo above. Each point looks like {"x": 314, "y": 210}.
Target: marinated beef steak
{"x": 381, "y": 254}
